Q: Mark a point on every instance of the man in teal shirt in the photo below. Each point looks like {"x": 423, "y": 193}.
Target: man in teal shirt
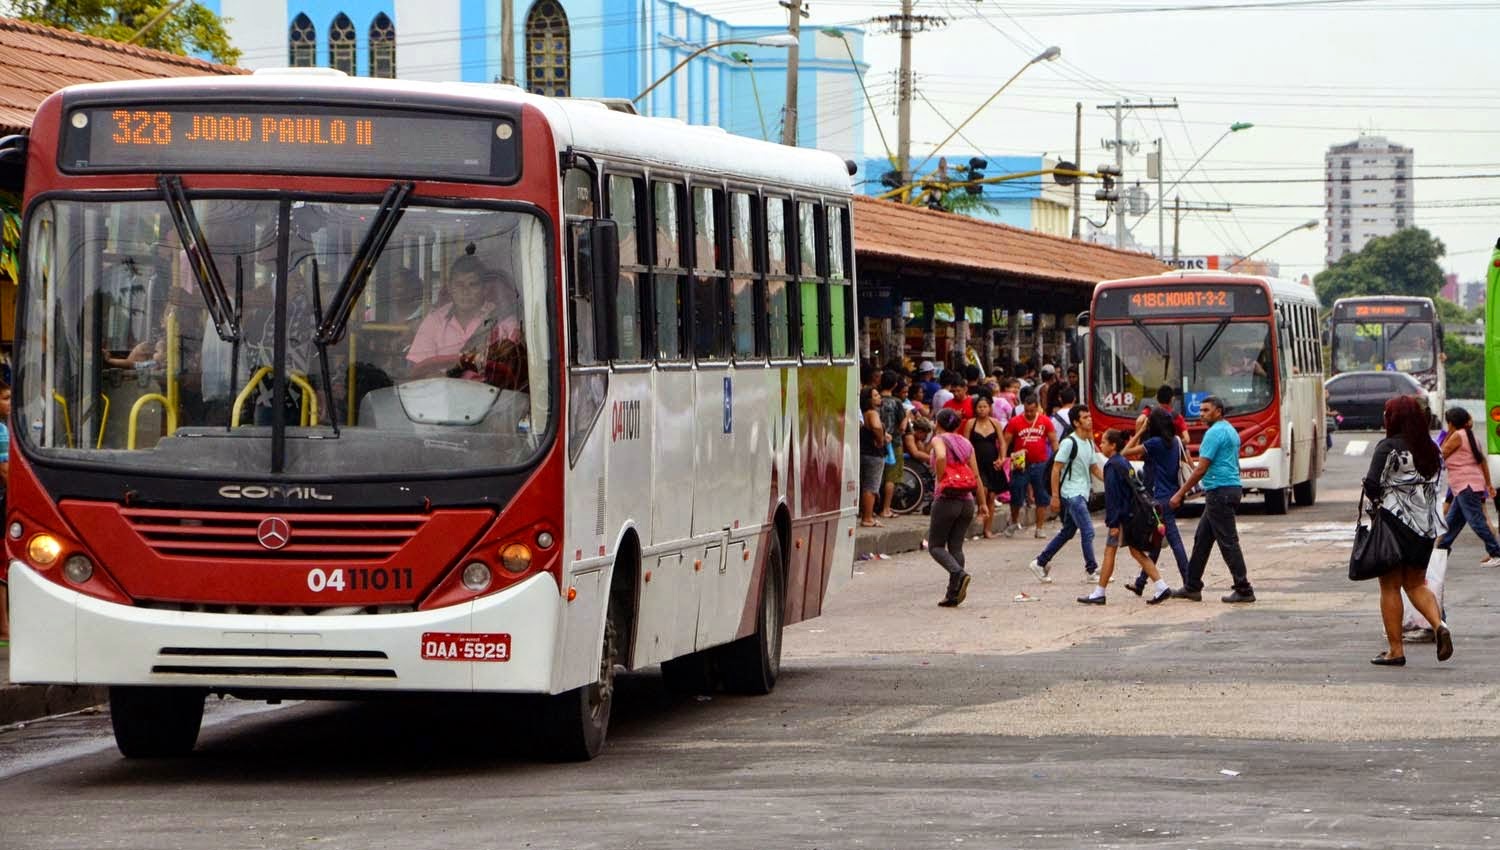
{"x": 1075, "y": 462}
{"x": 1218, "y": 468}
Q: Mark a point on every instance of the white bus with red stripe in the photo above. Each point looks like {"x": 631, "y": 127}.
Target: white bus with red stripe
{"x": 626, "y": 440}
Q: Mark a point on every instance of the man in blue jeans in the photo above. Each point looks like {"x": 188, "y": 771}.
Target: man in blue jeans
{"x": 1218, "y": 467}
{"x": 1076, "y": 462}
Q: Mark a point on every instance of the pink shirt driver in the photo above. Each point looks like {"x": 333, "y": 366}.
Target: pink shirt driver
{"x": 442, "y": 335}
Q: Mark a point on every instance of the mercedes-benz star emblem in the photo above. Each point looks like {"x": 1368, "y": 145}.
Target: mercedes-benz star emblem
{"x": 273, "y": 532}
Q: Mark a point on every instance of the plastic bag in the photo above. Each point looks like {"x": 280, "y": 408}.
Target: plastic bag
{"x": 1437, "y": 574}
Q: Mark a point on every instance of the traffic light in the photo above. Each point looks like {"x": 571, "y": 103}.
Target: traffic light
{"x": 1108, "y": 174}
{"x": 891, "y": 180}
{"x": 977, "y": 165}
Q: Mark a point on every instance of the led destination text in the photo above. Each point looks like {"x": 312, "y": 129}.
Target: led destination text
{"x": 141, "y": 127}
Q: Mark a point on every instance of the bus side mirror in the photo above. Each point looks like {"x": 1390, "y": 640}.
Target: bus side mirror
{"x": 1075, "y": 346}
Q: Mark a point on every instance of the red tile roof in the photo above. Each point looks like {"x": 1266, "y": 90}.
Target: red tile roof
{"x": 37, "y": 60}
{"x": 893, "y": 231}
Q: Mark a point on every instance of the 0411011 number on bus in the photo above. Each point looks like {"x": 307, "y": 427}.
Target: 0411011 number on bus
{"x": 463, "y": 646}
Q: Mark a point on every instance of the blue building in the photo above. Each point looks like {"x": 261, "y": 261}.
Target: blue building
{"x": 1032, "y": 203}
{"x": 574, "y": 48}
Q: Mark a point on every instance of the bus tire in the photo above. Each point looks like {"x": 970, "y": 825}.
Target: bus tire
{"x": 155, "y": 722}
{"x": 1276, "y": 502}
{"x": 751, "y": 664}
{"x": 1306, "y": 493}
{"x": 577, "y": 721}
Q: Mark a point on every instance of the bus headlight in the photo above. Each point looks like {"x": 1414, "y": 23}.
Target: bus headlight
{"x": 78, "y": 569}
{"x": 44, "y": 550}
{"x": 516, "y": 558}
{"x": 476, "y": 576}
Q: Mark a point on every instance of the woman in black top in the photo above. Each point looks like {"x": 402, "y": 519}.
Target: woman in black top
{"x": 1403, "y": 484}
{"x": 872, "y": 439}
{"x": 988, "y": 438}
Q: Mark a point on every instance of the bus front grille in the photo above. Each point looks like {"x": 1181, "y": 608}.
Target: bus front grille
{"x": 232, "y": 536}
{"x": 246, "y": 662}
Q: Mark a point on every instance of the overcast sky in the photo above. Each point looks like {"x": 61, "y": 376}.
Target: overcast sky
{"x": 1307, "y": 74}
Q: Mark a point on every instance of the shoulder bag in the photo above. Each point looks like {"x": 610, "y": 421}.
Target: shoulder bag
{"x": 1376, "y": 548}
{"x": 958, "y": 479}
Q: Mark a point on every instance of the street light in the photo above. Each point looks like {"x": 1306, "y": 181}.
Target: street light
{"x": 1306, "y": 225}
{"x": 1047, "y": 55}
{"x": 743, "y": 58}
{"x": 833, "y": 32}
{"x": 782, "y": 40}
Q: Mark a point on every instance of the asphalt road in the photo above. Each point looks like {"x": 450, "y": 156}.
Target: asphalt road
{"x": 896, "y": 724}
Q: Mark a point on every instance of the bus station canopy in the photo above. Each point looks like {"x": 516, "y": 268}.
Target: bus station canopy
{"x": 942, "y": 257}
{"x": 37, "y": 60}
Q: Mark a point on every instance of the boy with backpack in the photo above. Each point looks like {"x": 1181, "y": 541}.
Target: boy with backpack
{"x": 1130, "y": 517}
{"x": 1076, "y": 462}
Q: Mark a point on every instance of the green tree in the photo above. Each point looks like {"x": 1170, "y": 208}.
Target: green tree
{"x": 1465, "y": 368}
{"x": 1404, "y": 263}
{"x": 187, "y": 28}
{"x": 963, "y": 203}
{"x": 1454, "y": 314}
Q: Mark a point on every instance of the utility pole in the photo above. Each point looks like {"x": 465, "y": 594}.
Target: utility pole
{"x": 1178, "y": 208}
{"x": 507, "y": 42}
{"x": 1119, "y": 143}
{"x": 1078, "y": 161}
{"x": 796, "y": 12}
{"x": 906, "y": 25}
{"x": 1161, "y": 238}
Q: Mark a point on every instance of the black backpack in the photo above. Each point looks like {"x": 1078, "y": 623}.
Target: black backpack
{"x": 1143, "y": 529}
{"x": 1066, "y": 432}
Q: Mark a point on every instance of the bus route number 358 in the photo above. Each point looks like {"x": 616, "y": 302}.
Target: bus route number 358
{"x": 465, "y": 646}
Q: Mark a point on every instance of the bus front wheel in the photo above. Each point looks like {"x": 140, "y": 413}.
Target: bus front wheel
{"x": 1276, "y": 501}
{"x": 578, "y": 720}
{"x": 155, "y": 722}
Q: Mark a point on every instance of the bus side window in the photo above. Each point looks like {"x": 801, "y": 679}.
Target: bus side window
{"x": 778, "y": 280}
{"x": 624, "y": 198}
{"x": 578, "y": 203}
{"x": 668, "y": 274}
{"x": 809, "y": 287}
{"x": 709, "y": 305}
{"x": 745, "y": 290}
{"x": 840, "y": 290}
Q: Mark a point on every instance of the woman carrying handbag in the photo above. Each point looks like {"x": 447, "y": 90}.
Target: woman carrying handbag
{"x": 1405, "y": 520}
{"x": 957, "y": 478}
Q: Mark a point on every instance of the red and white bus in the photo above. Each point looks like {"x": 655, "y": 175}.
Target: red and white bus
{"x": 1251, "y": 341}
{"x": 566, "y": 391}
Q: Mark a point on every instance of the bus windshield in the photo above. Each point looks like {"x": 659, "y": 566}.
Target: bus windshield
{"x": 1406, "y": 346}
{"x": 1231, "y": 360}
{"x": 443, "y": 365}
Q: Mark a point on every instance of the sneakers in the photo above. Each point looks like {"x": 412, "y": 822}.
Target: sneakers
{"x": 1237, "y": 597}
{"x": 1159, "y": 598}
{"x": 963, "y": 589}
{"x": 1041, "y": 571}
{"x": 1010, "y": 530}
{"x": 1418, "y": 636}
{"x": 1039, "y": 534}
{"x": 1491, "y": 561}
{"x": 1190, "y": 595}
{"x": 1091, "y": 600}
{"x": 1090, "y": 577}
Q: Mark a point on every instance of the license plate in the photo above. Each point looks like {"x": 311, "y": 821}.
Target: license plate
{"x": 465, "y": 646}
{"x": 1255, "y": 473}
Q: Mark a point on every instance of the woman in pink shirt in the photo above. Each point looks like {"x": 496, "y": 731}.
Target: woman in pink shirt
{"x": 453, "y": 339}
{"x": 1469, "y": 479}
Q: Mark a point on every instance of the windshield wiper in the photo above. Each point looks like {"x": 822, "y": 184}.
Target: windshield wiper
{"x": 317, "y": 299}
{"x": 1397, "y": 332}
{"x": 1213, "y": 338}
{"x": 200, "y": 260}
{"x": 331, "y": 328}
{"x": 1150, "y": 337}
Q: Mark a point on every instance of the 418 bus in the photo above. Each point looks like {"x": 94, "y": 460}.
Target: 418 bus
{"x": 330, "y": 386}
{"x": 1251, "y": 341}
{"x": 1398, "y": 333}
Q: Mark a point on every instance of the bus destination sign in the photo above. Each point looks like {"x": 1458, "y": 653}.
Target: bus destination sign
{"x": 1166, "y": 301}
{"x": 294, "y": 140}
{"x": 1398, "y": 310}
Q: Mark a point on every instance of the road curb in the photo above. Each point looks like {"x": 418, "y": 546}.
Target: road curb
{"x": 19, "y": 703}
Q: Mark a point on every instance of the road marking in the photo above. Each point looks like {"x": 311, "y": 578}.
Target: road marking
{"x": 1355, "y": 448}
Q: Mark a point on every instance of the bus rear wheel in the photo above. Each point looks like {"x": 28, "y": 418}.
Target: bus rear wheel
{"x": 1305, "y": 493}
{"x": 751, "y": 664}
{"x": 155, "y": 722}
{"x": 577, "y": 721}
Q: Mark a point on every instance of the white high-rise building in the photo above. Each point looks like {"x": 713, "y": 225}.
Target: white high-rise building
{"x": 1367, "y": 193}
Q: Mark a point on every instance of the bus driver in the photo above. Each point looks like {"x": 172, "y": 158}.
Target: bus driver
{"x": 479, "y": 323}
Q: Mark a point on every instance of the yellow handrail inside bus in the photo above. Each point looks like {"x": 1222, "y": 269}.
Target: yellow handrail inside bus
{"x": 103, "y": 421}
{"x": 67, "y": 417}
{"x": 349, "y": 388}
{"x": 168, "y": 402}
{"x": 309, "y": 398}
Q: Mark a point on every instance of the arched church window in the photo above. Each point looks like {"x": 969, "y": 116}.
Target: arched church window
{"x": 548, "y": 70}
{"x": 302, "y": 43}
{"x": 382, "y": 47}
{"x": 341, "y": 44}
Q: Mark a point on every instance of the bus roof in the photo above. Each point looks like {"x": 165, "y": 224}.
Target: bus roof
{"x": 586, "y": 125}
{"x": 1387, "y": 298}
{"x": 1281, "y": 290}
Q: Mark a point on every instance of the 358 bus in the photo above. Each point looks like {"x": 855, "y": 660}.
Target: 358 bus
{"x": 328, "y": 387}
{"x": 1251, "y": 341}
{"x": 1399, "y": 333}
